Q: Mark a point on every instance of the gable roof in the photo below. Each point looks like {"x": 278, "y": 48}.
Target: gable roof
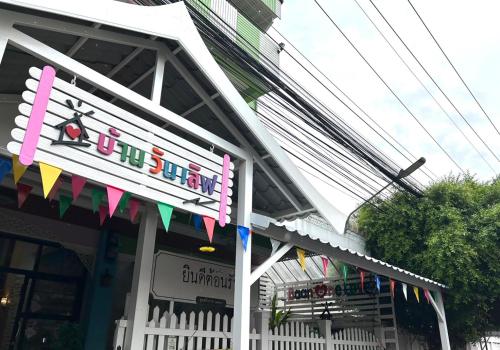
{"x": 174, "y": 22}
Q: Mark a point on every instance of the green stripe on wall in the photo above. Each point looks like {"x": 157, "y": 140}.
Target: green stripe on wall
{"x": 202, "y": 6}
{"x": 271, "y": 4}
{"x": 250, "y": 36}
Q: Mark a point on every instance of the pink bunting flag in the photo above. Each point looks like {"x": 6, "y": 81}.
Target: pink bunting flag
{"x": 427, "y": 296}
{"x": 77, "y": 184}
{"x": 392, "y": 284}
{"x": 133, "y": 209}
{"x": 55, "y": 189}
{"x": 114, "y": 196}
{"x": 362, "y": 278}
{"x": 209, "y": 225}
{"x": 325, "y": 261}
{"x": 103, "y": 212}
{"x": 23, "y": 192}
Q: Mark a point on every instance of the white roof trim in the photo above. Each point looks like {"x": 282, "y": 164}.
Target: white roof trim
{"x": 173, "y": 22}
{"x": 316, "y": 233}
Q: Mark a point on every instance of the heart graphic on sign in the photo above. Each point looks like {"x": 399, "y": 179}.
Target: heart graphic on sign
{"x": 73, "y": 132}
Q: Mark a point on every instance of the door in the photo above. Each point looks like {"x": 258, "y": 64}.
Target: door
{"x": 41, "y": 286}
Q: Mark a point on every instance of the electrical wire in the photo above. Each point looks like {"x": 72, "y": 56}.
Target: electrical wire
{"x": 388, "y": 87}
{"x": 453, "y": 66}
{"x": 434, "y": 82}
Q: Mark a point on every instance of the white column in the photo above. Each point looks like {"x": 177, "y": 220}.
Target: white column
{"x": 443, "y": 328}
{"x": 158, "y": 77}
{"x": 139, "y": 296}
{"x": 3, "y": 45}
{"x": 241, "y": 325}
{"x": 325, "y": 328}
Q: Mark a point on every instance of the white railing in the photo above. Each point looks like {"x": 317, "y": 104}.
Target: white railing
{"x": 355, "y": 338}
{"x": 214, "y": 331}
{"x": 295, "y": 336}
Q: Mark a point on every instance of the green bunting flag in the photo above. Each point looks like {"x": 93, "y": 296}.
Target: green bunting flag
{"x": 64, "y": 204}
{"x": 122, "y": 205}
{"x": 166, "y": 214}
{"x": 97, "y": 196}
{"x": 344, "y": 271}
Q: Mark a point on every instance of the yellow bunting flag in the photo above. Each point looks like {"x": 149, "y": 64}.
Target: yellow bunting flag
{"x": 17, "y": 168}
{"x": 49, "y": 175}
{"x": 302, "y": 258}
{"x": 415, "y": 290}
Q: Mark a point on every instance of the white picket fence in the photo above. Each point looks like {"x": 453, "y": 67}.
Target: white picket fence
{"x": 213, "y": 331}
{"x": 355, "y": 338}
{"x": 185, "y": 333}
{"x": 295, "y": 336}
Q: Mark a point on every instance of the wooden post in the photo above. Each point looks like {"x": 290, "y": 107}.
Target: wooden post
{"x": 139, "y": 296}
{"x": 241, "y": 330}
{"x": 325, "y": 329}
{"x": 262, "y": 325}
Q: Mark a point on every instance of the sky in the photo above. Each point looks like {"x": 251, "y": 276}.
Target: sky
{"x": 468, "y": 33}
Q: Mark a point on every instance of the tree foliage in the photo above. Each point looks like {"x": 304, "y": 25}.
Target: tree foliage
{"x": 452, "y": 235}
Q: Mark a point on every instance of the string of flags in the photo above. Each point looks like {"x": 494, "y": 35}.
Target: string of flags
{"x": 343, "y": 270}
{"x": 117, "y": 199}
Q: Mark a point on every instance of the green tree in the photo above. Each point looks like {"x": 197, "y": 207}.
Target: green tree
{"x": 452, "y": 235}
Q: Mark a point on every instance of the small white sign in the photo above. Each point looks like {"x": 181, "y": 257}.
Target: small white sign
{"x": 181, "y": 278}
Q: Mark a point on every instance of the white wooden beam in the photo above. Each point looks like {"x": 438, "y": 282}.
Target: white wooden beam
{"x": 80, "y": 30}
{"x": 199, "y": 105}
{"x": 141, "y": 281}
{"x": 3, "y": 46}
{"x": 159, "y": 72}
{"x": 266, "y": 265}
{"x": 443, "y": 327}
{"x": 196, "y": 86}
{"x": 80, "y": 42}
{"x": 243, "y": 262}
{"x": 38, "y": 49}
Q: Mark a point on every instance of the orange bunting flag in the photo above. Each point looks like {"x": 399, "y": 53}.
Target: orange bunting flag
{"x": 393, "y": 285}
{"x": 362, "y": 278}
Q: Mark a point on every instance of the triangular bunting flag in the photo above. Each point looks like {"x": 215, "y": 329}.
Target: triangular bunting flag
{"x": 197, "y": 220}
{"x": 362, "y": 278}
{"x": 344, "y": 271}
{"x": 64, "y": 204}
{"x": 133, "y": 208}
{"x": 103, "y": 212}
{"x": 209, "y": 226}
{"x": 244, "y": 232}
{"x": 427, "y": 296}
{"x": 114, "y": 196}
{"x": 415, "y": 290}
{"x": 97, "y": 195}
{"x": 23, "y": 192}
{"x": 301, "y": 254}
{"x": 17, "y": 168}
{"x": 55, "y": 189}
{"x": 392, "y": 284}
{"x": 274, "y": 245}
{"x": 405, "y": 290}
{"x": 5, "y": 168}
{"x": 325, "y": 262}
{"x": 166, "y": 214}
{"x": 377, "y": 282}
{"x": 49, "y": 175}
{"x": 124, "y": 202}
{"x": 77, "y": 184}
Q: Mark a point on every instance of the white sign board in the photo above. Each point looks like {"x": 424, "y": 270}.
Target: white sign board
{"x": 85, "y": 135}
{"x": 181, "y": 278}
